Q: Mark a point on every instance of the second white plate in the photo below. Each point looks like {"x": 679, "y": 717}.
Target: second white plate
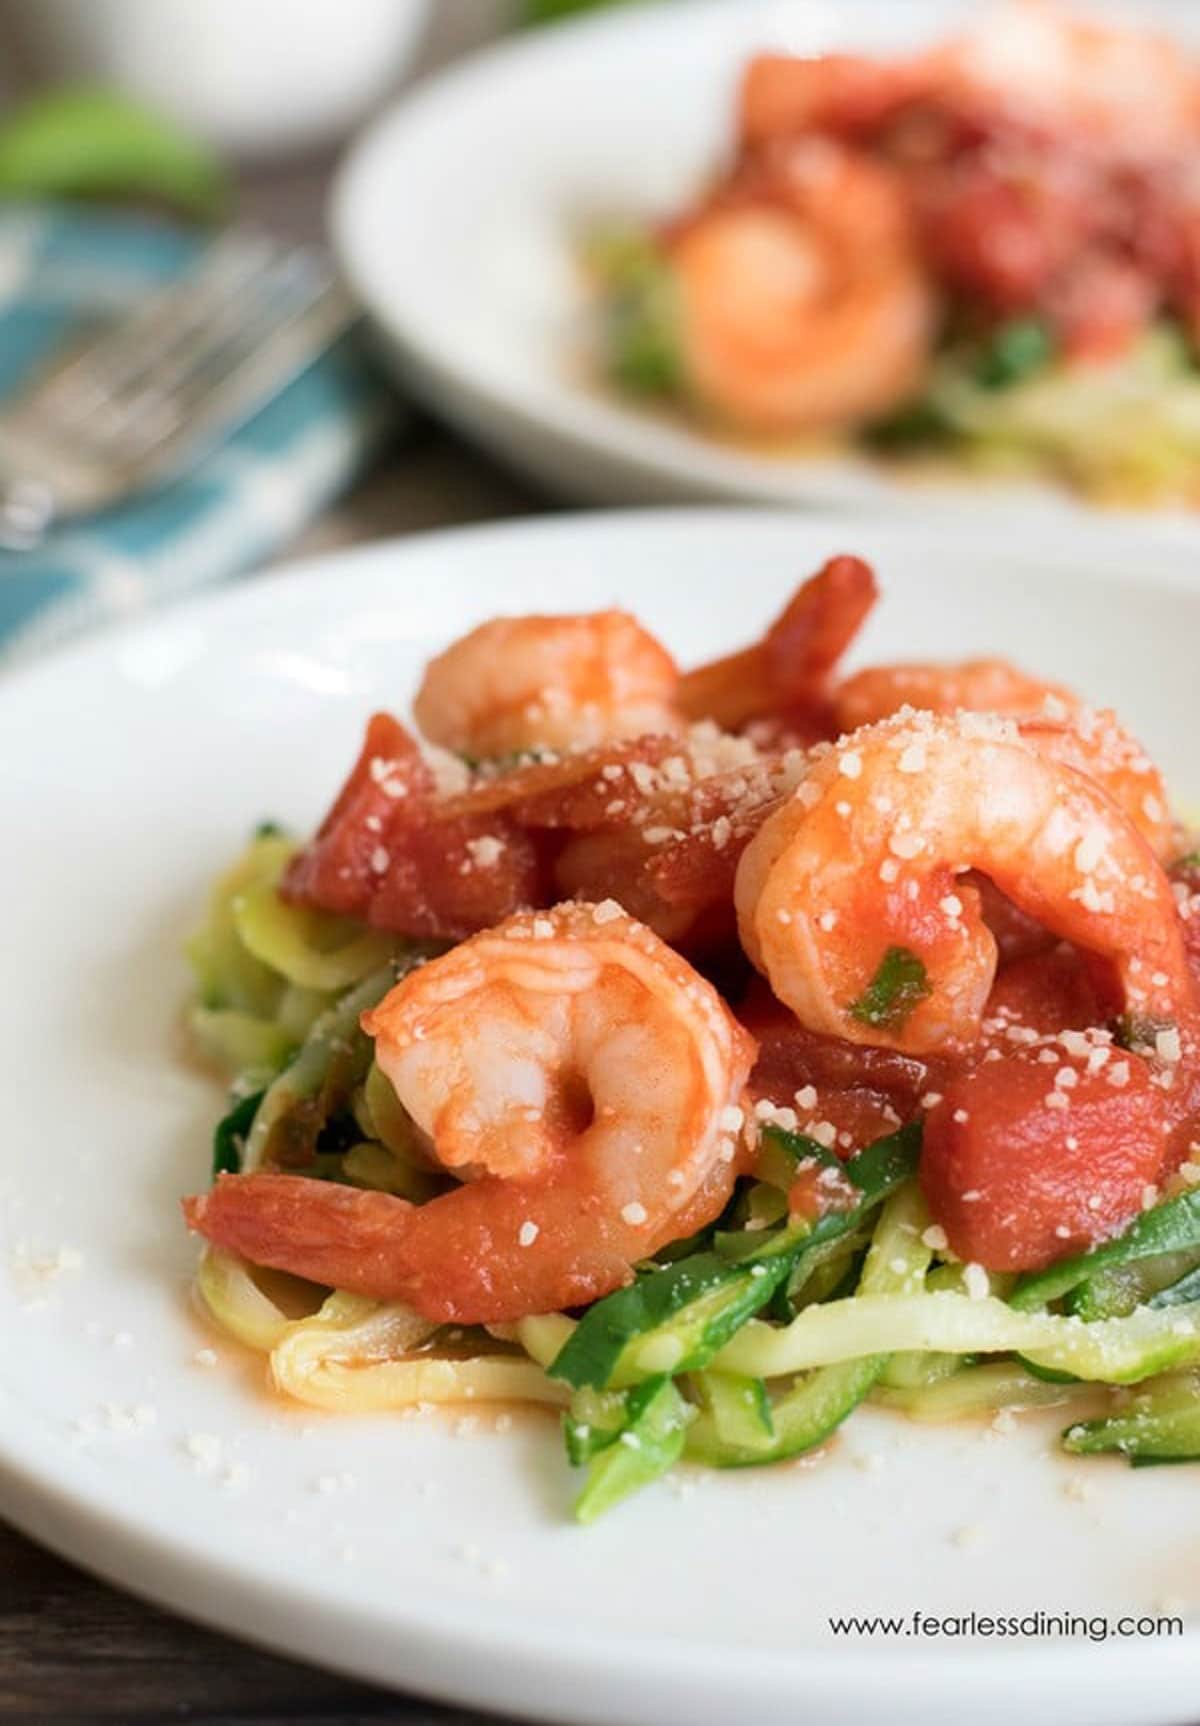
{"x": 456, "y": 219}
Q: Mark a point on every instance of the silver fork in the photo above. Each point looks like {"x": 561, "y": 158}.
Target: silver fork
{"x": 126, "y": 409}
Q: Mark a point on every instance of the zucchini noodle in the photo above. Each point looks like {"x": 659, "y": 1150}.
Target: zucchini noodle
{"x": 356, "y": 1356}
{"x": 1115, "y": 1350}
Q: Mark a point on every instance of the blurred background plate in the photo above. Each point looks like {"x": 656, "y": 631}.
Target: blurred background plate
{"x": 438, "y": 1554}
{"x": 457, "y": 215}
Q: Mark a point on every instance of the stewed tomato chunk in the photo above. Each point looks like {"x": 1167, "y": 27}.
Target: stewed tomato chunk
{"x": 1027, "y": 1159}
{"x": 385, "y": 854}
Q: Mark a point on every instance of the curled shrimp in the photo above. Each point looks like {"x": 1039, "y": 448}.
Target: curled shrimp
{"x": 849, "y": 899}
{"x": 802, "y": 301}
{"x": 791, "y": 665}
{"x": 1096, "y": 743}
{"x": 978, "y": 685}
{"x": 849, "y": 95}
{"x": 579, "y": 1077}
{"x": 1051, "y": 718}
{"x": 519, "y": 683}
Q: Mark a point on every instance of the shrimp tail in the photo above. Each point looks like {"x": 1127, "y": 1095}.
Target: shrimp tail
{"x": 343, "y": 1236}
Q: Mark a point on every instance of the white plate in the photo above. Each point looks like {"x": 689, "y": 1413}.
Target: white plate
{"x": 444, "y": 1560}
{"x": 456, "y": 218}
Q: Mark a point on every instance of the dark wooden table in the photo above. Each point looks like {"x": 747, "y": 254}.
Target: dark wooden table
{"x": 73, "y": 1650}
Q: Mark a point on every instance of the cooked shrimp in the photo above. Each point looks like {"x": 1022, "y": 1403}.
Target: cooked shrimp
{"x": 1094, "y": 741}
{"x": 791, "y": 665}
{"x": 802, "y": 302}
{"x": 980, "y": 685}
{"x": 849, "y": 898}
{"x": 1050, "y": 717}
{"x": 783, "y": 95}
{"x": 579, "y": 1077}
{"x": 520, "y": 683}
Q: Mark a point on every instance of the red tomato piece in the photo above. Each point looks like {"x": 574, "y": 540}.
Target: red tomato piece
{"x": 590, "y": 788}
{"x": 1048, "y": 992}
{"x": 1185, "y": 876}
{"x": 1015, "y": 933}
{"x": 445, "y": 880}
{"x": 383, "y": 855}
{"x": 1018, "y": 1180}
{"x": 336, "y": 870}
{"x": 791, "y": 1057}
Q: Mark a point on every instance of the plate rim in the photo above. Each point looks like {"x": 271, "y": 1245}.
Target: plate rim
{"x": 1175, "y": 566}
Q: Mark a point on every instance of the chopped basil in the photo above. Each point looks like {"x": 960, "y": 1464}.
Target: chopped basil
{"x": 229, "y": 1136}
{"x": 895, "y": 989}
{"x": 1016, "y": 350}
{"x": 1139, "y": 1033}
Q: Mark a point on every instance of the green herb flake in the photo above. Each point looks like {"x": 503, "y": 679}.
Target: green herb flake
{"x": 1015, "y": 351}
{"x": 1140, "y": 1033}
{"x": 229, "y": 1136}
{"x": 897, "y": 987}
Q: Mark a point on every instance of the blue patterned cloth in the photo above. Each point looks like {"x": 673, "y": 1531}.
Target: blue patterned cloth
{"x": 241, "y": 502}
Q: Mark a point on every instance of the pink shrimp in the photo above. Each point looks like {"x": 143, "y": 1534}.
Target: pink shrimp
{"x": 1050, "y": 717}
{"x": 850, "y": 898}
{"x": 790, "y": 667}
{"x": 802, "y": 301}
{"x": 519, "y": 683}
{"x": 579, "y": 1077}
{"x": 979, "y": 685}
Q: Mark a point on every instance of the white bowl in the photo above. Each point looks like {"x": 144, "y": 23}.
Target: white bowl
{"x": 260, "y": 77}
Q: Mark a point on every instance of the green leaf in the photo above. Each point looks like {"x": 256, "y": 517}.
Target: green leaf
{"x": 95, "y": 143}
{"x": 1170, "y": 1227}
{"x": 896, "y": 988}
{"x": 1015, "y": 351}
{"x": 229, "y": 1135}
